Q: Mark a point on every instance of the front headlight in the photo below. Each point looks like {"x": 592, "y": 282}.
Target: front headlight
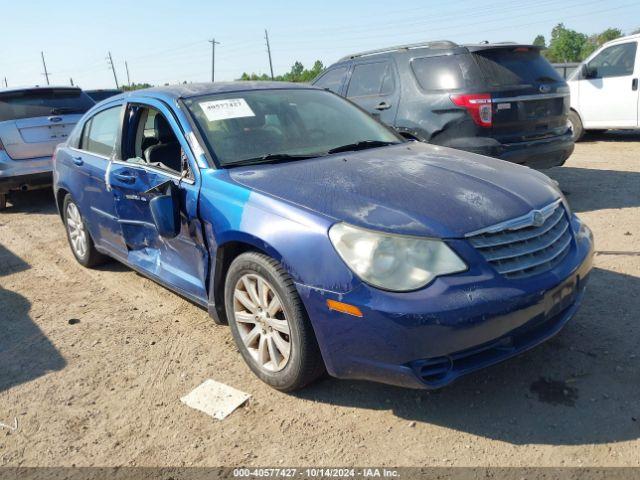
{"x": 393, "y": 262}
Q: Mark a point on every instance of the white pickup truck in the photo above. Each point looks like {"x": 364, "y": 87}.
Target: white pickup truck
{"x": 604, "y": 88}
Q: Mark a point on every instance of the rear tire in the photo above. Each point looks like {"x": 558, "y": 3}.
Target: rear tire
{"x": 576, "y": 125}
{"x": 79, "y": 237}
{"x": 269, "y": 324}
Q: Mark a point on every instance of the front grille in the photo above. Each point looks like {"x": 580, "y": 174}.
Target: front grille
{"x": 520, "y": 249}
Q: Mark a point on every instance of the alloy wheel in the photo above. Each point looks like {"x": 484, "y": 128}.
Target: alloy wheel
{"x": 262, "y": 323}
{"x": 77, "y": 233}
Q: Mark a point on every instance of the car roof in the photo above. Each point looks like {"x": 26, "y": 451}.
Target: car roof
{"x": 439, "y": 47}
{"x": 187, "y": 90}
{"x": 38, "y": 87}
{"x": 635, "y": 36}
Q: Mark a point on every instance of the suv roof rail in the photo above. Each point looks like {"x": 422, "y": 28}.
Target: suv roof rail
{"x": 433, "y": 44}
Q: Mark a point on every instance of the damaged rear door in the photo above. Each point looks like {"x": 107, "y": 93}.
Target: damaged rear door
{"x": 154, "y": 153}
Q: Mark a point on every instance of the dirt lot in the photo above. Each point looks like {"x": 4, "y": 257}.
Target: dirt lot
{"x": 93, "y": 364}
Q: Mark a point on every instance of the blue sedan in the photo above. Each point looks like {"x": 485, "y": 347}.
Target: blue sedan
{"x": 322, "y": 238}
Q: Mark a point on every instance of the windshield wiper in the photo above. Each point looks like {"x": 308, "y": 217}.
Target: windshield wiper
{"x": 362, "y": 145}
{"x": 270, "y": 158}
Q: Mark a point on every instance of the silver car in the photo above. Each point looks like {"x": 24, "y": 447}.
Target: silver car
{"x": 33, "y": 121}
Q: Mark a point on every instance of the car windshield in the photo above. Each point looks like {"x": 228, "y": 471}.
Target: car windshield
{"x": 43, "y": 102}
{"x": 283, "y": 125}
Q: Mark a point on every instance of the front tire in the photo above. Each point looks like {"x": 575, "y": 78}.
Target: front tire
{"x": 576, "y": 125}
{"x": 78, "y": 235}
{"x": 3, "y": 201}
{"x": 269, "y": 323}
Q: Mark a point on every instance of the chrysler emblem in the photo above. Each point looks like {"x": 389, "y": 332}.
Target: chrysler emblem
{"x": 544, "y": 88}
{"x": 537, "y": 219}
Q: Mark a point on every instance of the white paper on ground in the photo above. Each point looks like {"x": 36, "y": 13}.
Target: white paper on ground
{"x": 215, "y": 399}
{"x": 226, "y": 109}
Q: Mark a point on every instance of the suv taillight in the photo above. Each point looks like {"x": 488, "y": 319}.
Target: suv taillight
{"x": 478, "y": 105}
{"x": 1, "y": 145}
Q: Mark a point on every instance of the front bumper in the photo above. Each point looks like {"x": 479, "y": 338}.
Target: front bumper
{"x": 538, "y": 154}
{"x": 21, "y": 174}
{"x": 458, "y": 324}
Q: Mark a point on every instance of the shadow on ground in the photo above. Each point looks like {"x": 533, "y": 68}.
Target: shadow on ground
{"x": 611, "y": 136}
{"x": 595, "y": 189}
{"x": 40, "y": 201}
{"x": 25, "y": 351}
{"x": 579, "y": 388}
{"x": 591, "y": 189}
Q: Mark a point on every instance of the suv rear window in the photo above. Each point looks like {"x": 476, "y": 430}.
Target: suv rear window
{"x": 43, "y": 102}
{"x": 505, "y": 67}
{"x": 445, "y": 72}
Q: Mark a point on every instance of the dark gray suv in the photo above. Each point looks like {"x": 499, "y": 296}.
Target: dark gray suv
{"x": 498, "y": 99}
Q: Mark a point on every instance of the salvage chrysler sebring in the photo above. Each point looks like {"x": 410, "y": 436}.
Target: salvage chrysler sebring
{"x": 325, "y": 240}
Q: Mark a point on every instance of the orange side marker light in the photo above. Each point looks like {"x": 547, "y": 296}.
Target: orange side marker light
{"x": 344, "y": 308}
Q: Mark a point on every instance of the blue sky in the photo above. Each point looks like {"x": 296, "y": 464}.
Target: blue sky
{"x": 166, "y": 42}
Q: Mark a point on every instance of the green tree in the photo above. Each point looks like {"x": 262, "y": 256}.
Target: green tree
{"x": 135, "y": 86}
{"x": 566, "y": 45}
{"x": 297, "y": 74}
{"x": 598, "y": 39}
{"x": 540, "y": 41}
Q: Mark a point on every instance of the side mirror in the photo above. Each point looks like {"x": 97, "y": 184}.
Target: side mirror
{"x": 165, "y": 210}
{"x": 587, "y": 72}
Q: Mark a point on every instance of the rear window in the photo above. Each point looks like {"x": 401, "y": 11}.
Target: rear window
{"x": 43, "y": 103}
{"x": 521, "y": 66}
{"x": 99, "y": 95}
{"x": 445, "y": 72}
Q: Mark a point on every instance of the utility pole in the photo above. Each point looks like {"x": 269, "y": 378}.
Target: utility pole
{"x": 213, "y": 58}
{"x": 113, "y": 69}
{"x": 44, "y": 64}
{"x": 71, "y": 81}
{"x": 126, "y": 65}
{"x": 5, "y": 82}
{"x": 266, "y": 37}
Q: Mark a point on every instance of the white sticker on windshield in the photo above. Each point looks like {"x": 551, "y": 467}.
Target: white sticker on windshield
{"x": 226, "y": 109}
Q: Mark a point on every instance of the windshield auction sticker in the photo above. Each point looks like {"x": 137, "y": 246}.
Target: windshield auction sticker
{"x": 226, "y": 109}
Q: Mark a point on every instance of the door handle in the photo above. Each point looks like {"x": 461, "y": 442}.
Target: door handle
{"x": 78, "y": 161}
{"x": 124, "y": 178}
{"x": 634, "y": 84}
{"x": 383, "y": 106}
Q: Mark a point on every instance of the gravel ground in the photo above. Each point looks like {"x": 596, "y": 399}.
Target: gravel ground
{"x": 93, "y": 364}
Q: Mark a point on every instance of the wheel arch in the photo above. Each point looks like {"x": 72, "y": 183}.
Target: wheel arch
{"x": 225, "y": 254}
{"x": 60, "y": 194}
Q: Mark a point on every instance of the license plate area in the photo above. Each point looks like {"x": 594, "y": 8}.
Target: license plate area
{"x": 561, "y": 297}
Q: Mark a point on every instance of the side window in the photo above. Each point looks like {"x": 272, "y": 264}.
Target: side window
{"x": 446, "y": 72}
{"x": 152, "y": 141}
{"x": 371, "y": 79}
{"x": 615, "y": 61}
{"x": 333, "y": 79}
{"x": 100, "y": 132}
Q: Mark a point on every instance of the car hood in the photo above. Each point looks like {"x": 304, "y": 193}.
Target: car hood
{"x": 411, "y": 188}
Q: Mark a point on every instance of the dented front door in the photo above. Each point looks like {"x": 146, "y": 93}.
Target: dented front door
{"x": 180, "y": 262}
